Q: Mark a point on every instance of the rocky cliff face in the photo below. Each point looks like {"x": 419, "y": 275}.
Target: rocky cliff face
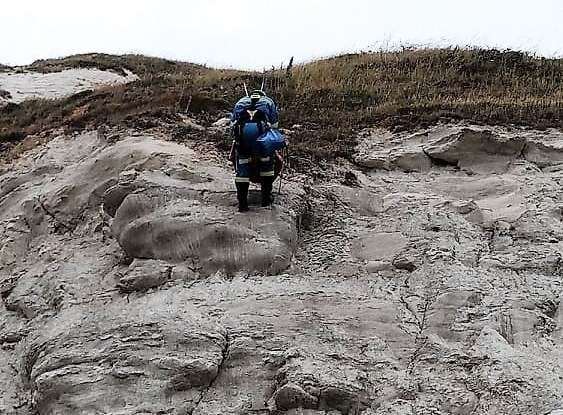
{"x": 424, "y": 279}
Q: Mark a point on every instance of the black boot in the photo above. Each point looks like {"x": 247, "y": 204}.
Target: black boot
{"x": 242, "y": 196}
{"x": 267, "y": 184}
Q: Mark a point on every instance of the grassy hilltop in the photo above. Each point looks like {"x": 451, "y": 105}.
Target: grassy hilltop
{"x": 332, "y": 97}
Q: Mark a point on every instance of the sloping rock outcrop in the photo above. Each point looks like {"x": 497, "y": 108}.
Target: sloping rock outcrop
{"x": 428, "y": 281}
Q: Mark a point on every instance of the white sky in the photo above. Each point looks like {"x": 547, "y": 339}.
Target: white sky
{"x": 258, "y": 34}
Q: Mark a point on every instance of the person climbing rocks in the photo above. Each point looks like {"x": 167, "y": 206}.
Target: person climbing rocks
{"x": 256, "y": 142}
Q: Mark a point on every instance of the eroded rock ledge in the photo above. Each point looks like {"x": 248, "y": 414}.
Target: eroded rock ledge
{"x": 475, "y": 149}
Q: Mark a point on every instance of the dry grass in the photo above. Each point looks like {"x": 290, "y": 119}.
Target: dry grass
{"x": 332, "y": 98}
{"x": 416, "y": 88}
{"x": 139, "y": 64}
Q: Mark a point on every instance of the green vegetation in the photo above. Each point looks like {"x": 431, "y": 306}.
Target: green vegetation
{"x": 332, "y": 98}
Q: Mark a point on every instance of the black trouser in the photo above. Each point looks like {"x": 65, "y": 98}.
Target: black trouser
{"x": 267, "y": 185}
{"x": 266, "y": 191}
{"x": 244, "y": 166}
{"x": 242, "y": 195}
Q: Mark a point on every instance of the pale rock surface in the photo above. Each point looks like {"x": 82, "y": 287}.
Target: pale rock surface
{"x": 21, "y": 85}
{"x": 190, "y": 123}
{"x": 129, "y": 284}
{"x": 474, "y": 149}
{"x": 380, "y": 149}
{"x": 222, "y": 124}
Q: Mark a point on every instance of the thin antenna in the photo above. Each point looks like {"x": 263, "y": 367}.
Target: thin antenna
{"x": 263, "y": 83}
{"x": 246, "y": 89}
{"x": 289, "y": 67}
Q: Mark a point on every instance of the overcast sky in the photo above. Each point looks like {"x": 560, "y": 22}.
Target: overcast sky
{"x": 258, "y": 34}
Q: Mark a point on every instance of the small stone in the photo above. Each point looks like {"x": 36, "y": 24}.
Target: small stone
{"x": 464, "y": 207}
{"x": 402, "y": 262}
{"x": 222, "y": 123}
{"x": 291, "y": 396}
{"x": 143, "y": 275}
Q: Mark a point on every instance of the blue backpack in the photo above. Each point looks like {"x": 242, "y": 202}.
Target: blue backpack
{"x": 254, "y": 133}
{"x": 264, "y": 104}
{"x": 271, "y": 141}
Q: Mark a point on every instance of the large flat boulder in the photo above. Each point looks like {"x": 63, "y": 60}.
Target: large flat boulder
{"x": 212, "y": 237}
{"x": 161, "y": 218}
{"x": 283, "y": 344}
